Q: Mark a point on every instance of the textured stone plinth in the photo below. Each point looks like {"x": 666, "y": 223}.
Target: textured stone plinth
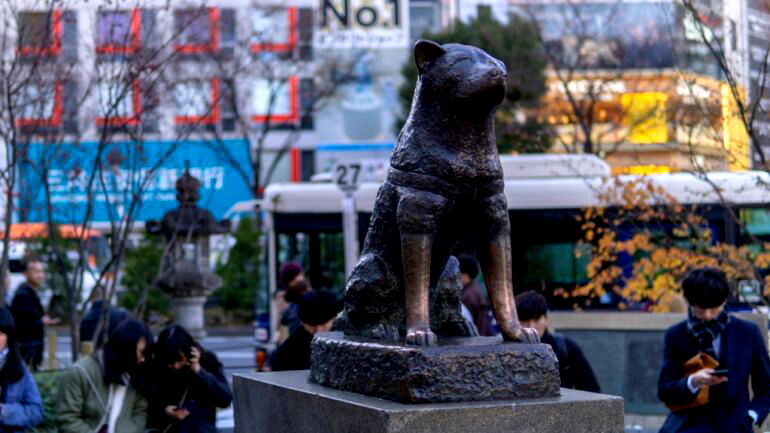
{"x": 458, "y": 369}
{"x": 286, "y": 403}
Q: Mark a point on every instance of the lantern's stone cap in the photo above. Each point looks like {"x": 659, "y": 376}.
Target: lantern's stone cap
{"x": 188, "y": 219}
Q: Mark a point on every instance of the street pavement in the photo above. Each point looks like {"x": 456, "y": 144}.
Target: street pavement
{"x": 236, "y": 352}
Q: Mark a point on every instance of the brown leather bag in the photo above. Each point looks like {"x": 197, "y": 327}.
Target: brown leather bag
{"x": 698, "y": 362}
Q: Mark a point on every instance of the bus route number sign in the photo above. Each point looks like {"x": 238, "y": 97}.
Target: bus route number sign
{"x": 347, "y": 176}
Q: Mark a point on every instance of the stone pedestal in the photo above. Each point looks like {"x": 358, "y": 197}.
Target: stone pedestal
{"x": 188, "y": 312}
{"x": 286, "y": 402}
{"x": 458, "y": 369}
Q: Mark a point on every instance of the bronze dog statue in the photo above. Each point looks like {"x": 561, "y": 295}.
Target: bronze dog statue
{"x": 445, "y": 178}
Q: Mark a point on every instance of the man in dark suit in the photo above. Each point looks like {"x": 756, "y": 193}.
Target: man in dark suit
{"x": 574, "y": 370}
{"x": 736, "y": 344}
{"x": 29, "y": 313}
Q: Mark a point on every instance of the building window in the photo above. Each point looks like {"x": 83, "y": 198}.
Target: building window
{"x": 274, "y": 30}
{"x": 120, "y": 104}
{"x": 119, "y": 32}
{"x": 275, "y": 101}
{"x": 197, "y": 102}
{"x": 40, "y": 105}
{"x": 198, "y": 30}
{"x": 40, "y": 33}
{"x": 423, "y": 18}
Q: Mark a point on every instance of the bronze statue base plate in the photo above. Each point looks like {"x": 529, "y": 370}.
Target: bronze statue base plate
{"x": 458, "y": 369}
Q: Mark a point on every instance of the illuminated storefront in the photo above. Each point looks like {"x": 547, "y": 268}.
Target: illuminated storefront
{"x": 664, "y": 119}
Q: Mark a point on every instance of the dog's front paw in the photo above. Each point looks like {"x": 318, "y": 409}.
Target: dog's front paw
{"x": 421, "y": 337}
{"x": 521, "y": 335}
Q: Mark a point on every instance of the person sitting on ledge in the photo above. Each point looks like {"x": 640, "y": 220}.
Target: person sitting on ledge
{"x": 317, "y": 311}
{"x": 707, "y": 361}
{"x": 574, "y": 369}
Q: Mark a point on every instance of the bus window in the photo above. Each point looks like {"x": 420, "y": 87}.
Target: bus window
{"x": 320, "y": 253}
{"x": 557, "y": 263}
{"x": 756, "y": 221}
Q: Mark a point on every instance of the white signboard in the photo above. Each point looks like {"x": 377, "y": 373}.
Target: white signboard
{"x": 362, "y": 24}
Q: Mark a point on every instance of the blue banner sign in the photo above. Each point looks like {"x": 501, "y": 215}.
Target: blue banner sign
{"x": 128, "y": 180}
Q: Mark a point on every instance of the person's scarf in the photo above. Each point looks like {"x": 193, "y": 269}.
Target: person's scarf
{"x": 706, "y": 331}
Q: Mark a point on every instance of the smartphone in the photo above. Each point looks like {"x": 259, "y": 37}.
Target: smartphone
{"x": 719, "y": 373}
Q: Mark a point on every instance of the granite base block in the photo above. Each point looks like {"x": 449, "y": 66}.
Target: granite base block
{"x": 457, "y": 369}
{"x": 285, "y": 402}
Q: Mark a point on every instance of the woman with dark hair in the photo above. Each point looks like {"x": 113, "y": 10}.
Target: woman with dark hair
{"x": 98, "y": 393}
{"x": 20, "y": 404}
{"x": 189, "y": 384}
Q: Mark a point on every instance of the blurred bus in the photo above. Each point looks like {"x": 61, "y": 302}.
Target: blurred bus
{"x": 545, "y": 194}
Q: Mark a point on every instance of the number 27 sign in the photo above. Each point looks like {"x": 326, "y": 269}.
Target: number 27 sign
{"x": 347, "y": 176}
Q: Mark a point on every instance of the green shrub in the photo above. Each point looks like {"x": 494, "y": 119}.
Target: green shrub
{"x": 47, "y": 385}
{"x": 240, "y": 274}
{"x": 141, "y": 265}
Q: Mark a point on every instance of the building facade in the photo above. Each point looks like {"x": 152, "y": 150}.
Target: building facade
{"x": 636, "y": 83}
{"x": 114, "y": 100}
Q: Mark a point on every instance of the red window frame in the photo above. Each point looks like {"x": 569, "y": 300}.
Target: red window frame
{"x": 136, "y": 101}
{"x": 213, "y": 44}
{"x": 55, "y": 48}
{"x": 214, "y": 114}
{"x": 56, "y": 116}
{"x": 281, "y": 47}
{"x": 136, "y": 37}
{"x": 293, "y": 115}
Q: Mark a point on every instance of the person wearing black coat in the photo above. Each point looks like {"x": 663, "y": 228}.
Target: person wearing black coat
{"x": 188, "y": 385}
{"x": 94, "y": 315}
{"x": 29, "y": 314}
{"x": 317, "y": 311}
{"x": 736, "y": 344}
{"x": 574, "y": 370}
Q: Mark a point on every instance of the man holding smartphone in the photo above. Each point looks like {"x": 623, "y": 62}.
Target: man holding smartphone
{"x": 737, "y": 346}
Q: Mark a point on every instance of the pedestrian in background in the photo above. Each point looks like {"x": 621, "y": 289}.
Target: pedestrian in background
{"x": 29, "y": 314}
{"x": 20, "y": 404}
{"x": 90, "y": 324}
{"x": 188, "y": 383}
{"x": 291, "y": 286}
{"x": 473, "y": 297}
{"x": 700, "y": 398}
{"x": 98, "y": 393}
{"x": 317, "y": 311}
{"x": 574, "y": 369}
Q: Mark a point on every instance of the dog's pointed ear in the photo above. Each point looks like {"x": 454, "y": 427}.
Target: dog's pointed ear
{"x": 425, "y": 52}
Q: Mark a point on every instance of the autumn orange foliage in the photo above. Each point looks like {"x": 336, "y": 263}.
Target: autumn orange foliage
{"x": 642, "y": 241}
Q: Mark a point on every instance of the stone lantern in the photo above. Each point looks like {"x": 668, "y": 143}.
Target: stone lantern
{"x": 186, "y": 274}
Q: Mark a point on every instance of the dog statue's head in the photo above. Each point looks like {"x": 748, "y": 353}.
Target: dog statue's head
{"x": 459, "y": 72}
